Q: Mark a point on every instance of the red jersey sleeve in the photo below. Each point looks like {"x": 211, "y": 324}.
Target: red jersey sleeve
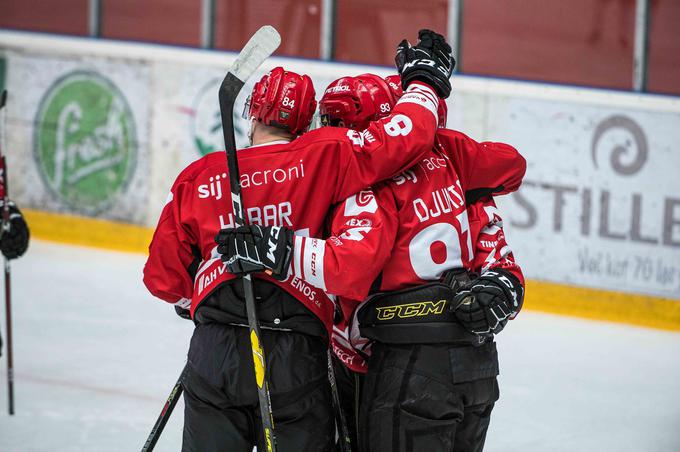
{"x": 491, "y": 248}
{"x": 166, "y": 272}
{"x": 485, "y": 168}
{"x": 363, "y": 228}
{"x": 390, "y": 144}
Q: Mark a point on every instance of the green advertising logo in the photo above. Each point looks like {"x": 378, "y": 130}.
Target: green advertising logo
{"x": 85, "y": 141}
{"x": 206, "y": 121}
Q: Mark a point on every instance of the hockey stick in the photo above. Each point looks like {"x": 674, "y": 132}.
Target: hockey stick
{"x": 165, "y": 414}
{"x": 259, "y": 47}
{"x": 8, "y": 287}
{"x": 263, "y": 43}
{"x": 345, "y": 440}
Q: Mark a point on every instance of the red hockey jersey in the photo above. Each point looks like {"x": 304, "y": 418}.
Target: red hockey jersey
{"x": 413, "y": 228}
{"x": 291, "y": 184}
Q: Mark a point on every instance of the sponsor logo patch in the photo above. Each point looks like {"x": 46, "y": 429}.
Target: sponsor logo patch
{"x": 85, "y": 142}
{"x": 406, "y": 311}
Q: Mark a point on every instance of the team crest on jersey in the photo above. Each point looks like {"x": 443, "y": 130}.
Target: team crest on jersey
{"x": 364, "y": 201}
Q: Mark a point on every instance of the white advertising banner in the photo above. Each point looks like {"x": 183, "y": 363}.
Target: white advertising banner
{"x": 77, "y": 135}
{"x": 600, "y": 203}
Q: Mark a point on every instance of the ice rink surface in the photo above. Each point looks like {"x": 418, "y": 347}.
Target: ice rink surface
{"x": 96, "y": 356}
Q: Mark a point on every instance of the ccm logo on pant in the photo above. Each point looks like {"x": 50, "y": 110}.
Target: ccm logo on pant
{"x": 405, "y": 311}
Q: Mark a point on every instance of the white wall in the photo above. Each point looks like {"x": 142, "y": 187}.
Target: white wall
{"x": 600, "y": 206}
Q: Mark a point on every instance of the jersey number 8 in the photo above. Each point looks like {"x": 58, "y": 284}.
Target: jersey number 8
{"x": 398, "y": 125}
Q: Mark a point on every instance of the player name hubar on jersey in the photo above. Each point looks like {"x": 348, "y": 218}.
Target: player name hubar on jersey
{"x": 268, "y": 215}
{"x": 441, "y": 201}
{"x": 219, "y": 184}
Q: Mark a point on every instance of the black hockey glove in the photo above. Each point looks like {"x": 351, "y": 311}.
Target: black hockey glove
{"x": 429, "y": 61}
{"x": 15, "y": 235}
{"x": 484, "y": 305}
{"x": 183, "y": 312}
{"x": 253, "y": 248}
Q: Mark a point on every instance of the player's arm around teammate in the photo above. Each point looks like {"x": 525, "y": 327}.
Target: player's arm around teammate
{"x": 395, "y": 320}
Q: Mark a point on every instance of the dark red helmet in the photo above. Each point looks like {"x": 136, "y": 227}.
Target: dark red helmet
{"x": 356, "y": 101}
{"x": 283, "y": 99}
{"x": 394, "y": 82}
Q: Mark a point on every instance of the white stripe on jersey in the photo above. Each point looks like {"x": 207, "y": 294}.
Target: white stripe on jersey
{"x": 297, "y": 254}
{"x": 184, "y": 303}
{"x": 214, "y": 256}
{"x": 314, "y": 250}
{"x": 342, "y": 337}
{"x": 421, "y": 94}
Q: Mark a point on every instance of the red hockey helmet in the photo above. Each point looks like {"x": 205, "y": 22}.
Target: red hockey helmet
{"x": 394, "y": 82}
{"x": 283, "y": 99}
{"x": 356, "y": 101}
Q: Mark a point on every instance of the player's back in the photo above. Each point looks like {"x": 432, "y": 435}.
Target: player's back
{"x": 282, "y": 185}
{"x": 433, "y": 231}
{"x": 290, "y": 184}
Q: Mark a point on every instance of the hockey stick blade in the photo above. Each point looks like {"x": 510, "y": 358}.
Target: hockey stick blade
{"x": 260, "y": 46}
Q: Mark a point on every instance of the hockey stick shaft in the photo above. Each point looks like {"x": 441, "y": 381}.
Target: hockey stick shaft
{"x": 165, "y": 413}
{"x": 228, "y": 92}
{"x": 10, "y": 347}
{"x": 8, "y": 274}
{"x": 260, "y": 46}
{"x": 345, "y": 439}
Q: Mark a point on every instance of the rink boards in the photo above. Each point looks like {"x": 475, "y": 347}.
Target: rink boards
{"x": 98, "y": 130}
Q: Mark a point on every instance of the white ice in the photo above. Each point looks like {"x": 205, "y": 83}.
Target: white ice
{"x": 96, "y": 356}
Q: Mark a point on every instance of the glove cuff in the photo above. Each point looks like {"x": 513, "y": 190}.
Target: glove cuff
{"x": 437, "y": 83}
{"x": 509, "y": 284}
{"x": 282, "y": 273}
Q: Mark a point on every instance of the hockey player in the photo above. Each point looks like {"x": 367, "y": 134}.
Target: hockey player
{"x": 290, "y": 180}
{"x": 431, "y": 377}
{"x": 14, "y": 238}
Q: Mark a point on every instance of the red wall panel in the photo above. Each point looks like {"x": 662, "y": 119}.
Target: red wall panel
{"x": 52, "y": 16}
{"x": 298, "y": 21}
{"x": 163, "y": 21}
{"x": 664, "y": 47}
{"x": 369, "y": 31}
{"x": 588, "y": 42}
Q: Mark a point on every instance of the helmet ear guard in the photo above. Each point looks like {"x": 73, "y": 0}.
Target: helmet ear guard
{"x": 283, "y": 99}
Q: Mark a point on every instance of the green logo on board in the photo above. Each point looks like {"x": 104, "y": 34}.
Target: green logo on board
{"x": 206, "y": 121}
{"x": 85, "y": 141}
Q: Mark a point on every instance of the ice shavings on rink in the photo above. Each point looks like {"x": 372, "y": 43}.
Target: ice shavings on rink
{"x": 96, "y": 356}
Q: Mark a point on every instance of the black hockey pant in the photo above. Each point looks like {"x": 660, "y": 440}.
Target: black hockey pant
{"x": 221, "y": 403}
{"x": 428, "y": 398}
